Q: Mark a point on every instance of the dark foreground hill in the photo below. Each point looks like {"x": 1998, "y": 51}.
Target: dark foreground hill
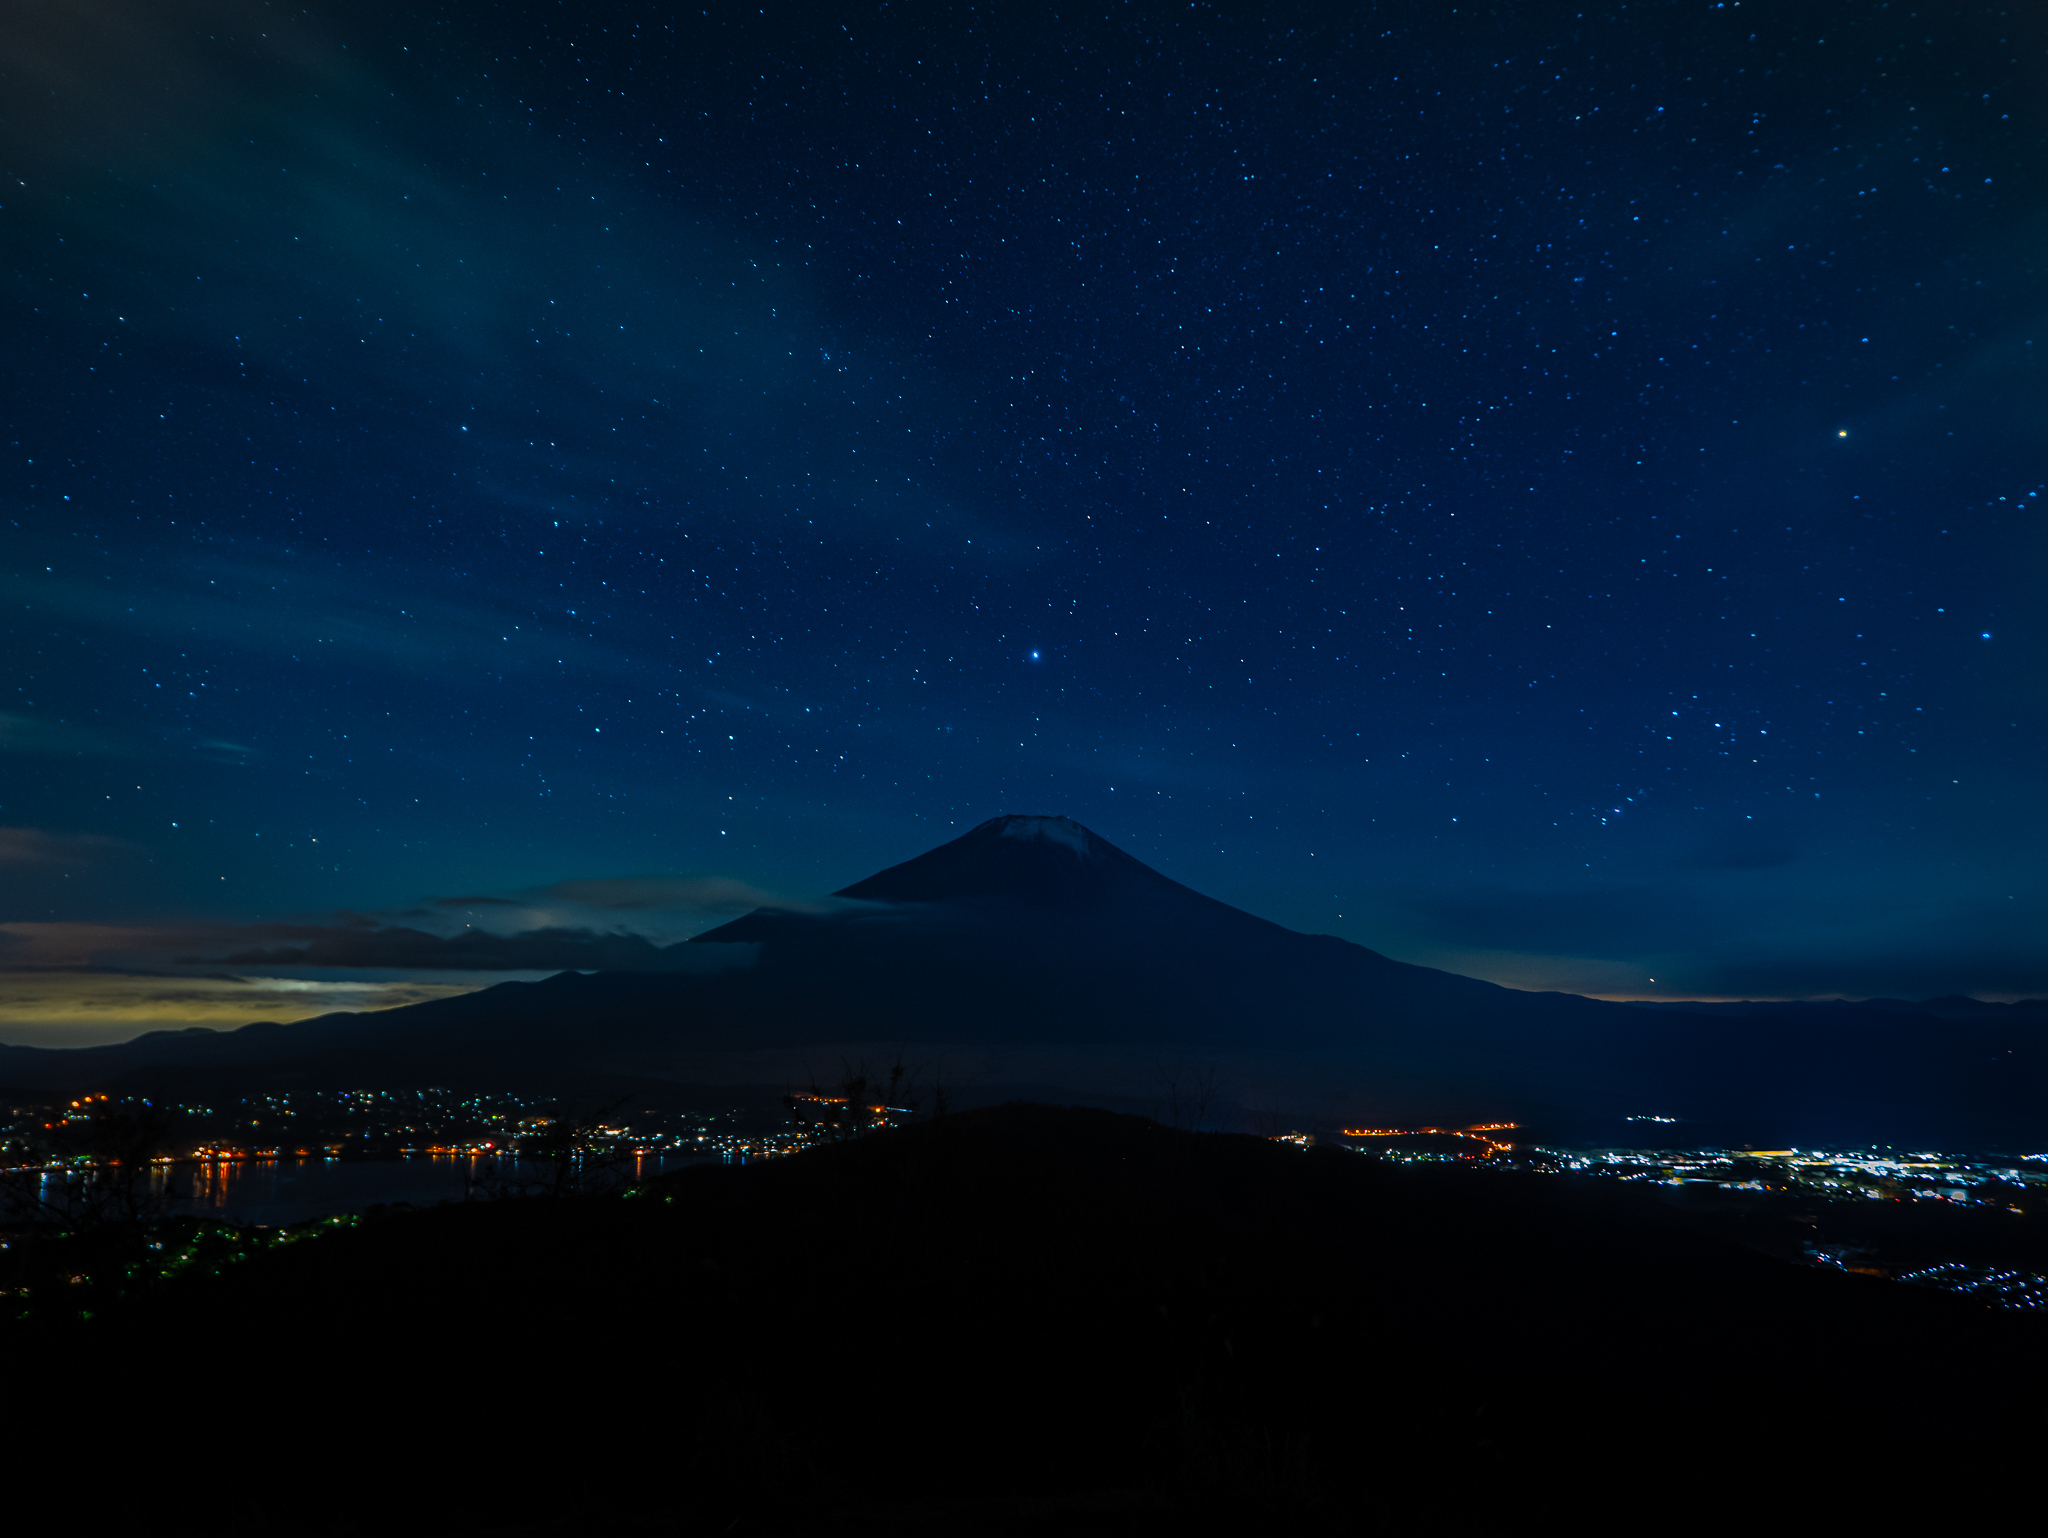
{"x": 1036, "y": 958}
{"x": 1026, "y": 1320}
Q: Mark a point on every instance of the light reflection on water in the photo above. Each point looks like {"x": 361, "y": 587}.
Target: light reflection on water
{"x": 274, "y": 1192}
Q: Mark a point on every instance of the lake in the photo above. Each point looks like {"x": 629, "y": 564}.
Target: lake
{"x": 274, "y": 1192}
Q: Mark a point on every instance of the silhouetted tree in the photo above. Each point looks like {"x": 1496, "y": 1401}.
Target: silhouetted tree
{"x": 1191, "y": 1091}
{"x": 92, "y": 1171}
{"x": 851, "y": 1111}
{"x": 566, "y": 1155}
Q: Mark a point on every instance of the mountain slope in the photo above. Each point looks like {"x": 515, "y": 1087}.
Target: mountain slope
{"x": 1034, "y": 941}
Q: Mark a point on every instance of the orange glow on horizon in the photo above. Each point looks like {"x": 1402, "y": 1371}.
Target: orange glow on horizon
{"x": 1476, "y": 1132}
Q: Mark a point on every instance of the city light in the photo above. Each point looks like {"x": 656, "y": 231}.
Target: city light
{"x": 1477, "y": 1133}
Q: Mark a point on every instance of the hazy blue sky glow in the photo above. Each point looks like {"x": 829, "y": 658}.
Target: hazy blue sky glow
{"x": 1554, "y": 495}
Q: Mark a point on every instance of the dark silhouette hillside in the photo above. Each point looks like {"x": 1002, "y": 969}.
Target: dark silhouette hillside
{"x": 1032, "y": 1320}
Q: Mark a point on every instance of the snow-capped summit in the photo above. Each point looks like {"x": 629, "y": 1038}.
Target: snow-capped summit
{"x": 1057, "y": 830}
{"x": 1037, "y": 860}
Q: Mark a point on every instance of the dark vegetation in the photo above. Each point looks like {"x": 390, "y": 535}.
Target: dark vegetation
{"x": 1023, "y": 1320}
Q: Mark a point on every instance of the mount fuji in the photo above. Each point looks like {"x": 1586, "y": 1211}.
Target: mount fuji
{"x": 1032, "y": 958}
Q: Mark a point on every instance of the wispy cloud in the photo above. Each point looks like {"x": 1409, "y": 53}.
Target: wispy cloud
{"x": 74, "y": 984}
{"x": 38, "y": 846}
{"x": 658, "y": 909}
{"x": 1667, "y": 939}
{"x": 619, "y": 923}
{"x": 28, "y": 734}
{"x": 77, "y": 1009}
{"x": 689, "y": 894}
{"x": 477, "y": 950}
{"x": 689, "y": 362}
{"x": 435, "y": 626}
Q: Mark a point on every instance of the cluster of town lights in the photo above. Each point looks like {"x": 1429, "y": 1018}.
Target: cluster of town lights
{"x": 1477, "y": 1133}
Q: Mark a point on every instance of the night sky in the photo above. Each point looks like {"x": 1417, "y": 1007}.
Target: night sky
{"x": 1551, "y": 492}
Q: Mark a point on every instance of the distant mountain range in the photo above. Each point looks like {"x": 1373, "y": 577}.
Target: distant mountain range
{"x": 1031, "y": 958}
